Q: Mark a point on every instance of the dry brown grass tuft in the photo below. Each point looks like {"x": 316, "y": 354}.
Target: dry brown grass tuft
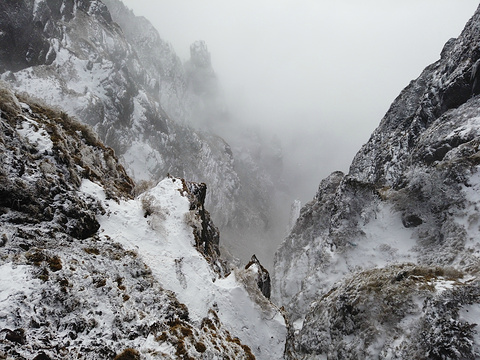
{"x": 8, "y": 102}
{"x": 128, "y": 354}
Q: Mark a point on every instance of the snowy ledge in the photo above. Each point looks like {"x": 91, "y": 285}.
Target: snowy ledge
{"x": 165, "y": 242}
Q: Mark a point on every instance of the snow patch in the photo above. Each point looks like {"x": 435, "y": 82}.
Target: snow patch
{"x": 15, "y": 281}
{"x": 35, "y": 135}
{"x": 441, "y": 285}
{"x": 388, "y": 241}
{"x": 13, "y": 278}
{"x": 468, "y": 127}
{"x": 165, "y": 243}
{"x": 36, "y": 5}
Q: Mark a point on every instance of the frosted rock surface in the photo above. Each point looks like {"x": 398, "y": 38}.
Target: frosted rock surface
{"x": 409, "y": 198}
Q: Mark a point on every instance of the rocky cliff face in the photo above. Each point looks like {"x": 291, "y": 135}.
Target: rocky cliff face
{"x": 410, "y": 197}
{"x": 87, "y": 271}
{"x": 99, "y": 62}
{"x": 97, "y": 74}
{"x": 163, "y": 69}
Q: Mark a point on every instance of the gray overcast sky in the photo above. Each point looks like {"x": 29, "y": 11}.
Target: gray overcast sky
{"x": 319, "y": 73}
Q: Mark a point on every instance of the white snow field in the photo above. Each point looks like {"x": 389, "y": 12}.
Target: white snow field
{"x": 165, "y": 242}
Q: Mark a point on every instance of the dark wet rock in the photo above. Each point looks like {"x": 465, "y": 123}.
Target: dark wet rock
{"x": 16, "y": 336}
{"x": 207, "y": 235}
{"x": 263, "y": 277}
{"x": 411, "y": 221}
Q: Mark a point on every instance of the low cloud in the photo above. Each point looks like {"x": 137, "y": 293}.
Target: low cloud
{"x": 319, "y": 75}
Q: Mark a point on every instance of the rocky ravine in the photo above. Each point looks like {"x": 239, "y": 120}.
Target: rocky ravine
{"x": 383, "y": 262}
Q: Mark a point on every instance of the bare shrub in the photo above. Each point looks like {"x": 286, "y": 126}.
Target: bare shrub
{"x": 156, "y": 213}
{"x": 148, "y": 205}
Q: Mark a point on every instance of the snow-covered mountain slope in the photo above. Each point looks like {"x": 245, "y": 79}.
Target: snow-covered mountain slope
{"x": 411, "y": 196}
{"x": 164, "y": 240}
{"x": 89, "y": 272}
{"x": 99, "y": 62}
{"x": 249, "y": 191}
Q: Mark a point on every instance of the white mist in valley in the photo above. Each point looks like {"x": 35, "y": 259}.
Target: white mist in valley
{"x": 301, "y": 85}
{"x": 318, "y": 74}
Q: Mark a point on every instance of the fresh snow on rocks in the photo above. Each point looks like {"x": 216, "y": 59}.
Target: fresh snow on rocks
{"x": 410, "y": 198}
{"x": 69, "y": 289}
{"x": 165, "y": 243}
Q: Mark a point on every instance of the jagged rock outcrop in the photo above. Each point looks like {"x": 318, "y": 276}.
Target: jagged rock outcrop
{"x": 207, "y": 236}
{"x": 200, "y": 74}
{"x": 87, "y": 271}
{"x": 164, "y": 71}
{"x": 263, "y": 277}
{"x": 410, "y": 197}
{"x": 208, "y": 108}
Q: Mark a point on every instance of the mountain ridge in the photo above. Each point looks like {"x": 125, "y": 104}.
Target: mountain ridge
{"x": 382, "y": 263}
{"x": 90, "y": 271}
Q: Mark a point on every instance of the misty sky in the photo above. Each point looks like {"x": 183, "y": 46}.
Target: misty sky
{"x": 319, "y": 73}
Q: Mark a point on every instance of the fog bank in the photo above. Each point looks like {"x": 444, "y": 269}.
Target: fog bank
{"x": 320, "y": 75}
